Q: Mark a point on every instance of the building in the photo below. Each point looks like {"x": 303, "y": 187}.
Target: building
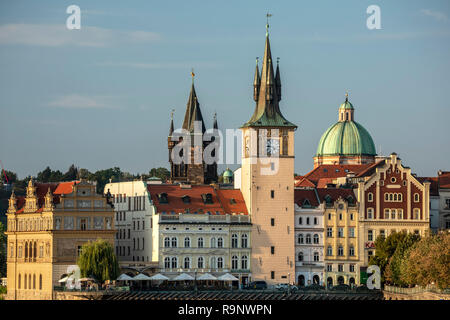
{"x": 444, "y": 199}
{"x": 345, "y": 142}
{"x": 202, "y": 229}
{"x": 133, "y": 215}
{"x": 46, "y": 230}
{"x": 341, "y": 250}
{"x": 266, "y": 177}
{"x": 309, "y": 235}
{"x": 195, "y": 171}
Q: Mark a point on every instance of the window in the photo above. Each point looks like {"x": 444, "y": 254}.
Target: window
{"x": 300, "y": 220}
{"x": 272, "y": 250}
{"x": 447, "y": 204}
{"x": 330, "y": 232}
{"x": 393, "y": 180}
{"x": 340, "y": 251}
{"x": 174, "y": 242}
{"x": 316, "y": 220}
{"x": 340, "y": 232}
{"x": 340, "y": 268}
{"x": 340, "y": 216}
{"x": 300, "y": 256}
{"x": 213, "y": 264}
{"x": 400, "y": 214}
{"x": 329, "y": 216}
{"x": 244, "y": 241}
{"x": 370, "y": 197}
{"x": 174, "y": 262}
{"x": 416, "y": 197}
{"x": 352, "y": 268}
{"x": 187, "y": 242}
{"x": 272, "y": 222}
{"x": 382, "y": 233}
{"x": 351, "y": 232}
{"x": 316, "y": 256}
{"x": 300, "y": 238}
{"x": 416, "y": 213}
{"x": 329, "y": 251}
{"x": 272, "y": 274}
{"x": 329, "y": 268}
{"x": 386, "y": 213}
{"x": 351, "y": 251}
{"x": 370, "y": 235}
{"x": 213, "y": 242}
{"x": 244, "y": 263}
{"x": 187, "y": 263}
{"x": 167, "y": 262}
{"x": 307, "y": 220}
{"x": 167, "y": 242}
{"x": 400, "y": 197}
{"x": 272, "y": 194}
{"x": 234, "y": 241}
{"x": 393, "y": 214}
{"x": 316, "y": 239}
{"x": 220, "y": 243}
{"x": 200, "y": 242}
{"x": 234, "y": 262}
{"x": 40, "y": 282}
{"x": 308, "y": 238}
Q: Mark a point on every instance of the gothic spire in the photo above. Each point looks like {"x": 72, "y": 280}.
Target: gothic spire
{"x": 278, "y": 80}
{"x": 171, "y": 123}
{"x": 193, "y": 112}
{"x": 215, "y": 126}
{"x": 256, "y": 82}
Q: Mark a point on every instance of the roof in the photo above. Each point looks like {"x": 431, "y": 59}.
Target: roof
{"x": 304, "y": 196}
{"x": 335, "y": 193}
{"x": 335, "y": 171}
{"x": 193, "y": 112}
{"x": 221, "y": 199}
{"x": 434, "y": 188}
{"x": 348, "y": 138}
{"x": 304, "y": 183}
{"x": 444, "y": 180}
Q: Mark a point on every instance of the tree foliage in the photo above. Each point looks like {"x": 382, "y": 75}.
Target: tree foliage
{"x": 2, "y": 251}
{"x": 428, "y": 261}
{"x": 98, "y": 260}
{"x": 160, "y": 172}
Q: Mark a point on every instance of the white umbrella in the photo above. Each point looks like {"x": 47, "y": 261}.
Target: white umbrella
{"x": 140, "y": 277}
{"x": 63, "y": 279}
{"x": 159, "y": 276}
{"x": 124, "y": 277}
{"x": 183, "y": 276}
{"x": 207, "y": 276}
{"x": 227, "y": 277}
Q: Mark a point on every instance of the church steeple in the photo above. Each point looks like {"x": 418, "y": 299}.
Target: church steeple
{"x": 267, "y": 111}
{"x": 256, "y": 82}
{"x": 193, "y": 112}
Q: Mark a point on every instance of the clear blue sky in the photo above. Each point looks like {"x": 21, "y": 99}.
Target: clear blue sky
{"x": 101, "y": 96}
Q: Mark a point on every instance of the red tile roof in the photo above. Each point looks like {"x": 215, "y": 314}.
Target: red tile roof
{"x": 444, "y": 180}
{"x": 335, "y": 193}
{"x": 334, "y": 171}
{"x": 300, "y": 195}
{"x": 434, "y": 186}
{"x": 304, "y": 183}
{"x": 221, "y": 199}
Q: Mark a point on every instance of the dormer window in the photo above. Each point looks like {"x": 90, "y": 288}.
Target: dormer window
{"x": 162, "y": 198}
{"x": 186, "y": 199}
{"x": 232, "y": 201}
{"x": 207, "y": 198}
{"x": 350, "y": 200}
{"x": 306, "y": 204}
{"x": 328, "y": 200}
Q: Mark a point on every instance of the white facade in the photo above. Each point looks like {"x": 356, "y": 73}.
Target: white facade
{"x": 133, "y": 221}
{"x": 309, "y": 259}
{"x": 201, "y": 243}
{"x": 444, "y": 209}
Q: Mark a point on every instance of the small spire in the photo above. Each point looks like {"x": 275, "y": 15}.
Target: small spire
{"x": 215, "y": 126}
{"x": 346, "y": 96}
{"x": 268, "y": 15}
{"x": 171, "y": 122}
{"x": 192, "y": 74}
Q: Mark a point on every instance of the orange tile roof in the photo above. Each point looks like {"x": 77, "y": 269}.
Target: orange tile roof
{"x": 335, "y": 171}
{"x": 444, "y": 180}
{"x": 232, "y": 201}
{"x": 300, "y": 195}
{"x": 335, "y": 193}
{"x": 305, "y": 183}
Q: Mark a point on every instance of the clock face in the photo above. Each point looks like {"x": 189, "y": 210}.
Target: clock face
{"x": 272, "y": 147}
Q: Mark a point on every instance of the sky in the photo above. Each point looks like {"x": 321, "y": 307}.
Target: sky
{"x": 101, "y": 96}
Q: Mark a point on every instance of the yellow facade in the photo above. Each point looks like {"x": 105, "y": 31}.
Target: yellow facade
{"x": 45, "y": 236}
{"x": 341, "y": 251}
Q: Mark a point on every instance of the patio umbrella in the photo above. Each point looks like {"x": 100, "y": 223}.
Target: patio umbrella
{"x": 124, "y": 277}
{"x": 87, "y": 279}
{"x": 206, "y": 276}
{"x": 141, "y": 277}
{"x": 159, "y": 276}
{"x": 183, "y": 277}
{"x": 63, "y": 279}
{"x": 227, "y": 277}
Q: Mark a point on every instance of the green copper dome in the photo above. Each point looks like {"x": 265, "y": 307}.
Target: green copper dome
{"x": 228, "y": 173}
{"x": 346, "y": 137}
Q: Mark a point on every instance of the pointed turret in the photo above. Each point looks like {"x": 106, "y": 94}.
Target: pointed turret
{"x": 267, "y": 111}
{"x": 278, "y": 80}
{"x": 171, "y": 124}
{"x": 215, "y": 126}
{"x": 256, "y": 82}
{"x": 193, "y": 112}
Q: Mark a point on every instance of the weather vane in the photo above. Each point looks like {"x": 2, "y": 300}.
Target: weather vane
{"x": 171, "y": 114}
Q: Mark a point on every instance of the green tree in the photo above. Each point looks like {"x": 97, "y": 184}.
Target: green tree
{"x": 2, "y": 251}
{"x": 160, "y": 172}
{"x": 98, "y": 260}
{"x": 71, "y": 174}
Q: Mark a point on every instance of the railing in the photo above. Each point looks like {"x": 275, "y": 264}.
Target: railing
{"x": 415, "y": 290}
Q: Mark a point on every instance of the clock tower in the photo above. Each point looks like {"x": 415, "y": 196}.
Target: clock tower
{"x": 267, "y": 181}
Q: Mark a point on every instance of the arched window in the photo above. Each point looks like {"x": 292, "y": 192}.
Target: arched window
{"x": 167, "y": 262}
{"x": 200, "y": 242}
{"x": 316, "y": 238}
{"x": 19, "y": 281}
{"x": 34, "y": 281}
{"x": 340, "y": 251}
{"x": 308, "y": 238}
{"x": 395, "y": 197}
{"x": 234, "y": 241}
{"x": 300, "y": 256}
{"x": 400, "y": 197}
{"x": 187, "y": 242}
{"x": 174, "y": 262}
{"x": 234, "y": 262}
{"x": 29, "y": 281}
{"x": 329, "y": 251}
{"x": 200, "y": 262}
{"x": 391, "y": 197}
{"x": 244, "y": 263}
{"x": 244, "y": 241}
{"x": 187, "y": 263}
{"x": 174, "y": 242}
{"x": 369, "y": 213}
{"x": 213, "y": 263}
{"x": 220, "y": 263}
{"x": 26, "y": 252}
{"x": 300, "y": 238}
{"x": 213, "y": 242}
{"x": 370, "y": 197}
{"x": 351, "y": 251}
{"x": 386, "y": 197}
{"x": 25, "y": 281}
{"x": 167, "y": 242}
{"x": 416, "y": 213}
{"x": 220, "y": 242}
{"x": 416, "y": 197}
{"x": 316, "y": 256}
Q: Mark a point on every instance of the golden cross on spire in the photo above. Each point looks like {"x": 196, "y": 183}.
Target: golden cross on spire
{"x": 192, "y": 74}
{"x": 346, "y": 95}
{"x": 171, "y": 114}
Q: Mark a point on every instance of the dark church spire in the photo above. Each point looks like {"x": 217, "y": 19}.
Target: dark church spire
{"x": 193, "y": 112}
{"x": 256, "y": 82}
{"x": 215, "y": 126}
{"x": 278, "y": 80}
{"x": 171, "y": 124}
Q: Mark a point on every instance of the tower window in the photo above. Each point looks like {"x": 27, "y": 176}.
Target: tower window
{"x": 272, "y": 222}
{"x": 272, "y": 250}
{"x": 272, "y": 194}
